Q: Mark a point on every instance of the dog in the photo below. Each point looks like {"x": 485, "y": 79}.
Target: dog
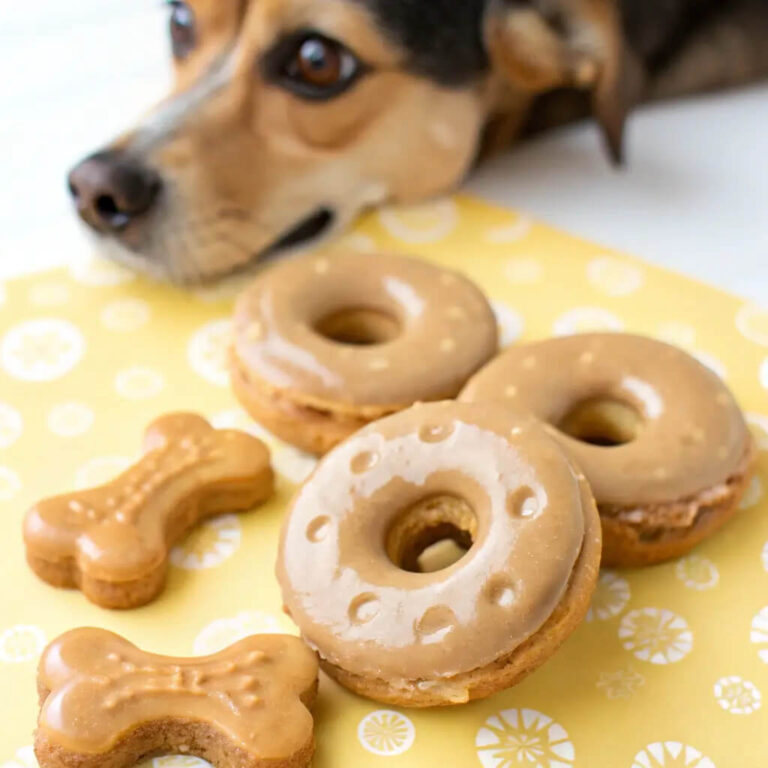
{"x": 290, "y": 117}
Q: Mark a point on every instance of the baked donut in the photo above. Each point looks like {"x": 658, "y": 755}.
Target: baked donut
{"x": 325, "y": 345}
{"x": 659, "y": 436}
{"x": 494, "y": 482}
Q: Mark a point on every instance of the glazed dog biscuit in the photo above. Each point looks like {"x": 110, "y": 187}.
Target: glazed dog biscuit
{"x": 112, "y": 542}
{"x": 660, "y": 438}
{"x": 493, "y": 481}
{"x": 325, "y": 345}
{"x": 106, "y": 704}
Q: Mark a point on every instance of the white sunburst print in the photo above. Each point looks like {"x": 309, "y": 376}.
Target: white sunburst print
{"x": 70, "y": 419}
{"x": 586, "y": 319}
{"x": 49, "y": 294}
{"x": 511, "y": 232}
{"x": 208, "y": 349}
{"x": 752, "y": 322}
{"x": 737, "y": 696}
{"x": 509, "y": 321}
{"x": 11, "y": 425}
{"x": 100, "y": 470}
{"x": 21, "y": 643}
{"x": 753, "y": 494}
{"x": 125, "y": 315}
{"x": 670, "y": 754}
{"x": 656, "y": 635}
{"x": 697, "y": 572}
{"x": 620, "y": 683}
{"x": 523, "y": 737}
{"x": 386, "y": 732}
{"x": 10, "y": 483}
{"x": 97, "y": 271}
{"x": 41, "y": 350}
{"x": 179, "y": 761}
{"x": 610, "y": 597}
{"x": 759, "y": 633}
{"x": 614, "y": 276}
{"x": 221, "y": 633}
{"x": 759, "y": 426}
{"x": 139, "y": 383}
{"x": 24, "y": 758}
{"x": 523, "y": 270}
{"x": 420, "y": 224}
{"x": 765, "y": 556}
{"x": 209, "y": 544}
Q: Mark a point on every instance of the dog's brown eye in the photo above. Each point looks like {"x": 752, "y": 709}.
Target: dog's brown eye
{"x": 183, "y": 29}
{"x": 319, "y": 62}
{"x": 312, "y": 65}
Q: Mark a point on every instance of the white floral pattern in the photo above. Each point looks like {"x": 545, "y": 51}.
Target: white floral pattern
{"x": 49, "y": 294}
{"x": 20, "y": 643}
{"x": 759, "y": 633}
{"x": 610, "y": 597}
{"x": 10, "y": 483}
{"x": 670, "y": 754}
{"x": 179, "y": 761}
{"x": 656, "y": 635}
{"x": 139, "y": 383}
{"x": 24, "y": 758}
{"x": 753, "y": 494}
{"x": 208, "y": 349}
{"x": 509, "y": 321}
{"x": 677, "y": 333}
{"x": 96, "y": 271}
{"x": 523, "y": 737}
{"x": 221, "y": 633}
{"x": 11, "y": 425}
{"x": 523, "y": 270}
{"x": 737, "y": 696}
{"x": 41, "y": 350}
{"x": 386, "y": 732}
{"x": 125, "y": 315}
{"x": 752, "y": 321}
{"x": 697, "y": 572}
{"x": 614, "y": 276}
{"x": 420, "y": 224}
{"x": 585, "y": 319}
{"x": 209, "y": 544}
{"x": 759, "y": 426}
{"x": 70, "y": 419}
{"x": 620, "y": 684}
{"x": 513, "y": 232}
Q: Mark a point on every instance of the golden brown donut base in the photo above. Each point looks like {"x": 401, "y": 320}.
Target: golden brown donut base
{"x": 123, "y": 595}
{"x": 508, "y": 670}
{"x": 312, "y": 427}
{"x": 169, "y": 736}
{"x": 669, "y": 530}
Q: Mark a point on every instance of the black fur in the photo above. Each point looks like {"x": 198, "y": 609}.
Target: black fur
{"x": 441, "y": 37}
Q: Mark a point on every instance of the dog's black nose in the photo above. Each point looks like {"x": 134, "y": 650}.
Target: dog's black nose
{"x": 111, "y": 189}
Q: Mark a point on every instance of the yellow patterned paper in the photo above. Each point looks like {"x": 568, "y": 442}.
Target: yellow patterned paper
{"x": 670, "y": 667}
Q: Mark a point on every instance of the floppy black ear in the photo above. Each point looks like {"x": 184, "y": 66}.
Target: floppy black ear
{"x": 539, "y": 45}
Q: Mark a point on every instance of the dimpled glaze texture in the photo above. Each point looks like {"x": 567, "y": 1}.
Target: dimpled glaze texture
{"x": 372, "y": 618}
{"x": 448, "y": 329}
{"x": 692, "y": 435}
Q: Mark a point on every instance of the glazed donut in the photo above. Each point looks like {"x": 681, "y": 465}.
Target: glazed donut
{"x": 324, "y": 345}
{"x": 492, "y": 481}
{"x": 659, "y": 436}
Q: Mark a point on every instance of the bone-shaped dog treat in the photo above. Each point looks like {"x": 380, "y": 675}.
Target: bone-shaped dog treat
{"x": 113, "y": 541}
{"x": 104, "y": 703}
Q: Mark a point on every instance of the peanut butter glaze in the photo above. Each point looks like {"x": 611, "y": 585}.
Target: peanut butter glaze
{"x": 97, "y": 688}
{"x": 371, "y": 617}
{"x": 120, "y": 530}
{"x": 691, "y": 434}
{"x": 436, "y": 328}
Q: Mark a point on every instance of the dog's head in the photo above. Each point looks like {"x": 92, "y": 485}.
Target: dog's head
{"x": 290, "y": 116}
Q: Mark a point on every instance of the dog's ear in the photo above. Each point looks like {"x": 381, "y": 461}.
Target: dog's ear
{"x": 539, "y": 45}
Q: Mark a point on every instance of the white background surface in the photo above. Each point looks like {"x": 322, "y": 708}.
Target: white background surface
{"x": 693, "y": 197}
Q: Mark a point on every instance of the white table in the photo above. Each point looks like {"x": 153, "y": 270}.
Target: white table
{"x": 693, "y": 197}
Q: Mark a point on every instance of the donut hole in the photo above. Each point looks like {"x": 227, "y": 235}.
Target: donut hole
{"x": 359, "y": 326}
{"x": 432, "y": 534}
{"x": 601, "y": 421}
